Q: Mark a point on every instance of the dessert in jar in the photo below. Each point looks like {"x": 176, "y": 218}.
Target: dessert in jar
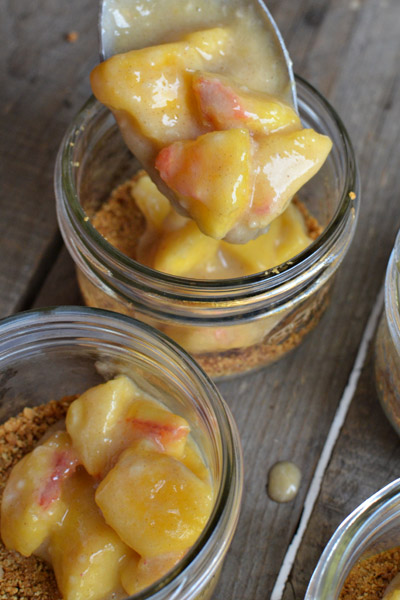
{"x": 387, "y": 343}
{"x": 231, "y": 326}
{"x": 114, "y": 497}
{"x": 217, "y": 133}
{"x": 362, "y": 559}
{"x": 63, "y": 485}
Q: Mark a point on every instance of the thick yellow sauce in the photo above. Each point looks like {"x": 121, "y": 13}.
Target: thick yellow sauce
{"x": 175, "y": 245}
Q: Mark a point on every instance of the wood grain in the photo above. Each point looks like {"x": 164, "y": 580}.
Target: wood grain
{"x": 44, "y": 80}
{"x": 366, "y": 458}
{"x": 350, "y": 50}
{"x": 306, "y": 387}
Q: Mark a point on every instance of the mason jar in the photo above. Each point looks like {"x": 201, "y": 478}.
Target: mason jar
{"x": 387, "y": 343}
{"x": 52, "y": 353}
{"x": 370, "y": 529}
{"x": 230, "y": 326}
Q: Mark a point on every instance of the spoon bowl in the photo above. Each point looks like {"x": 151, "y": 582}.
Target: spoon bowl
{"x": 116, "y": 34}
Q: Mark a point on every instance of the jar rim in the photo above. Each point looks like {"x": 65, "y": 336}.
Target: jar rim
{"x": 57, "y": 319}
{"x": 262, "y": 281}
{"x": 334, "y": 563}
{"x": 392, "y": 293}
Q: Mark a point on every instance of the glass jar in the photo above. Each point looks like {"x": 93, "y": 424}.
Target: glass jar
{"x": 48, "y": 354}
{"x": 372, "y": 528}
{"x": 387, "y": 343}
{"x": 230, "y": 326}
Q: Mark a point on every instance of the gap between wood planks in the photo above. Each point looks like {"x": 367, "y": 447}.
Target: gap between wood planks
{"x": 46, "y": 262}
{"x": 328, "y": 448}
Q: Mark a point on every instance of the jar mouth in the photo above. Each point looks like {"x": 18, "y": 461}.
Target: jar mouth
{"x": 392, "y": 293}
{"x": 346, "y": 545}
{"x": 27, "y": 332}
{"x": 269, "y": 279}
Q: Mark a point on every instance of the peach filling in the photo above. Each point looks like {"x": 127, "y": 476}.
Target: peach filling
{"x": 113, "y": 502}
{"x": 229, "y": 157}
{"x": 175, "y": 245}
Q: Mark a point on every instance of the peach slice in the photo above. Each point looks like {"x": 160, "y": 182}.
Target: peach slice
{"x": 138, "y": 573}
{"x": 152, "y": 86}
{"x": 149, "y": 421}
{"x": 152, "y": 203}
{"x": 283, "y": 164}
{"x": 192, "y": 459}
{"x": 180, "y": 250}
{"x": 32, "y": 500}
{"x": 154, "y": 503}
{"x": 211, "y": 177}
{"x": 286, "y": 237}
{"x": 108, "y": 418}
{"x": 92, "y": 419}
{"x": 225, "y": 105}
{"x": 85, "y": 552}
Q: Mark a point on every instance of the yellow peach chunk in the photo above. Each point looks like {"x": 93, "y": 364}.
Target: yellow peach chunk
{"x": 151, "y": 202}
{"x": 85, "y": 552}
{"x": 210, "y": 176}
{"x": 154, "y": 503}
{"x": 283, "y": 164}
{"x": 286, "y": 237}
{"x": 138, "y": 573}
{"x": 193, "y": 461}
{"x": 92, "y": 418}
{"x": 109, "y": 417}
{"x": 198, "y": 340}
{"x": 225, "y": 104}
{"x": 180, "y": 250}
{"x": 32, "y": 501}
{"x": 153, "y": 85}
{"x": 147, "y": 420}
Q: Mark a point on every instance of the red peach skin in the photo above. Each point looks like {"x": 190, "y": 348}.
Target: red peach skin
{"x": 225, "y": 104}
{"x": 162, "y": 434}
{"x": 211, "y": 178}
{"x": 65, "y": 464}
{"x": 32, "y": 501}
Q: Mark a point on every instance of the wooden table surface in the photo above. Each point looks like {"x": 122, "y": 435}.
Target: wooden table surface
{"x": 350, "y": 50}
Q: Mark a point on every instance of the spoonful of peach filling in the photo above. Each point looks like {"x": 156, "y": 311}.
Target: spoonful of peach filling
{"x": 211, "y": 117}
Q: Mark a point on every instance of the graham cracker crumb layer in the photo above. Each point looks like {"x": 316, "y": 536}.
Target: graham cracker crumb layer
{"x": 119, "y": 220}
{"x": 369, "y": 578}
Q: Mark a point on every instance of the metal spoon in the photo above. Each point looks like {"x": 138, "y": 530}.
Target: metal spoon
{"x": 112, "y": 22}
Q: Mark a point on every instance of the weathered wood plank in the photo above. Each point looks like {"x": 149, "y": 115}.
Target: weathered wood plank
{"x": 60, "y": 286}
{"x": 43, "y": 81}
{"x": 366, "y": 457}
{"x": 283, "y": 412}
{"x": 368, "y": 101}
